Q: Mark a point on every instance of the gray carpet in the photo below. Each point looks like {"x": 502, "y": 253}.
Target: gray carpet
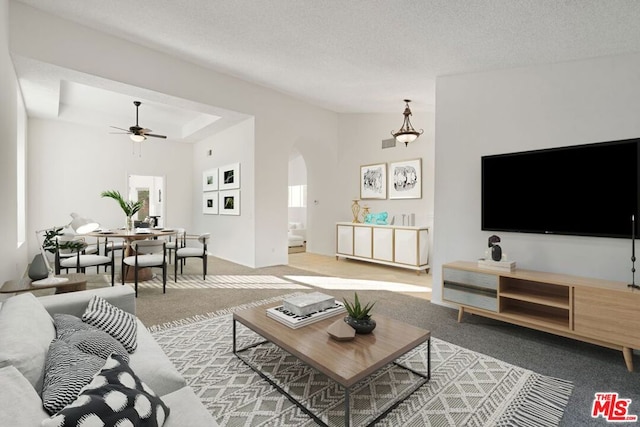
{"x": 590, "y": 368}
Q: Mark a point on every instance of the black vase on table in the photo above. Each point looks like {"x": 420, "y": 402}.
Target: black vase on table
{"x": 362, "y": 326}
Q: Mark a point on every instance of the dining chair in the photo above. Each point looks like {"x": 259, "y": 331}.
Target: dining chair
{"x": 198, "y": 251}
{"x": 178, "y": 242}
{"x": 115, "y": 245}
{"x": 148, "y": 253}
{"x": 71, "y": 254}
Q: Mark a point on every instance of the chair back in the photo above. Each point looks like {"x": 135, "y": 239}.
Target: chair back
{"x": 70, "y": 244}
{"x": 204, "y": 238}
{"x": 143, "y": 247}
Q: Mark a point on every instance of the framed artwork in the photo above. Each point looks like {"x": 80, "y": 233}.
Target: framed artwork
{"x": 210, "y": 203}
{"x": 230, "y": 202}
{"x": 210, "y": 180}
{"x": 229, "y": 176}
{"x": 405, "y": 179}
{"x": 373, "y": 181}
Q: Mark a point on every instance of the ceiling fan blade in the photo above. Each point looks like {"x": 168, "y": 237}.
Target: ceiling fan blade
{"x": 115, "y": 127}
{"x": 155, "y": 136}
{"x": 121, "y": 133}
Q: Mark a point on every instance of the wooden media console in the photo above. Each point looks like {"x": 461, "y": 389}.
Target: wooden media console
{"x": 600, "y": 312}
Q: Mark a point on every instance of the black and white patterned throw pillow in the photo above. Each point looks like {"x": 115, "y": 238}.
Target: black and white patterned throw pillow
{"x": 113, "y": 320}
{"x": 87, "y": 338}
{"x": 67, "y": 370}
{"x": 114, "y": 397}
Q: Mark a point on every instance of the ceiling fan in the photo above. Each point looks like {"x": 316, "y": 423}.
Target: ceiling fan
{"x": 137, "y": 133}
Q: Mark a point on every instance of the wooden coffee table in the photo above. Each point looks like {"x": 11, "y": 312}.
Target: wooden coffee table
{"x": 345, "y": 362}
{"x": 76, "y": 282}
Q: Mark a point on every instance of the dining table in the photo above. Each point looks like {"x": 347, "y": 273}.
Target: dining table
{"x": 129, "y": 237}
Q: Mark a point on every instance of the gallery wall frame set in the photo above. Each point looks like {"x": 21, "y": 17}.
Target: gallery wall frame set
{"x": 221, "y": 190}
{"x": 401, "y": 180}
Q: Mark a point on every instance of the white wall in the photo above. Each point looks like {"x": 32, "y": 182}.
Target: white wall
{"x": 297, "y": 176}
{"x": 70, "y": 165}
{"x": 311, "y": 129}
{"x": 361, "y": 138}
{"x": 13, "y": 255}
{"x": 234, "y": 145}
{"x": 523, "y": 109}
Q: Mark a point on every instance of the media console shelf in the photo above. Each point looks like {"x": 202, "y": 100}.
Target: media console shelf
{"x": 597, "y": 311}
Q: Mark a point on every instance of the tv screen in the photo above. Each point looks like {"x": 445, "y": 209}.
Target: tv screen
{"x": 586, "y": 190}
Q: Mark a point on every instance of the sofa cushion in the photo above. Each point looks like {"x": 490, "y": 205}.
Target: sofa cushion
{"x": 20, "y": 405}
{"x": 26, "y": 329}
{"x": 114, "y": 397}
{"x": 153, "y": 366}
{"x": 87, "y": 338}
{"x": 113, "y": 320}
{"x": 67, "y": 370}
{"x": 187, "y": 410}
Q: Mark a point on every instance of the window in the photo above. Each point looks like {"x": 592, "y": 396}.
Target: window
{"x": 297, "y": 196}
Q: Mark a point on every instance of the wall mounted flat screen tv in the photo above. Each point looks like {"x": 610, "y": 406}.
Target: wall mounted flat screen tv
{"x": 586, "y": 190}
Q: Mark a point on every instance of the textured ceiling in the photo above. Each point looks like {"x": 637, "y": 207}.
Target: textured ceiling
{"x": 363, "y": 56}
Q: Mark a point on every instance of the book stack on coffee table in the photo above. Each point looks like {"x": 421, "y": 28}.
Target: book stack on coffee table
{"x": 303, "y": 310}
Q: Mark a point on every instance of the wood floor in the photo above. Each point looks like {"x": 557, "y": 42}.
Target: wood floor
{"x": 353, "y": 269}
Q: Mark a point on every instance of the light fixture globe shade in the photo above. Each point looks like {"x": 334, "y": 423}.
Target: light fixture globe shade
{"x": 406, "y": 133}
{"x": 406, "y": 137}
{"x": 83, "y": 225}
{"x": 137, "y": 138}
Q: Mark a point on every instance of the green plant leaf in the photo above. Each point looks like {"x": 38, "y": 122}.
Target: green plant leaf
{"x": 356, "y": 310}
{"x": 129, "y": 207}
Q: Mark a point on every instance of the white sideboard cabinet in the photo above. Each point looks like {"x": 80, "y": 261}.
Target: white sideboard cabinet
{"x": 399, "y": 246}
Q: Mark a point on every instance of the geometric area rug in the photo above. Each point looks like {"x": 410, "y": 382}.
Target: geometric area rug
{"x": 466, "y": 388}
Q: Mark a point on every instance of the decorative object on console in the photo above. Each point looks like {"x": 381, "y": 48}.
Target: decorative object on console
{"x": 497, "y": 265}
{"x": 406, "y": 133}
{"x": 365, "y": 212}
{"x": 129, "y": 207}
{"x": 355, "y": 209}
{"x": 405, "y": 179}
{"x": 496, "y": 250}
{"x": 376, "y": 218}
{"x": 229, "y": 177}
{"x": 229, "y": 202}
{"x": 373, "y": 181}
{"x": 358, "y": 316}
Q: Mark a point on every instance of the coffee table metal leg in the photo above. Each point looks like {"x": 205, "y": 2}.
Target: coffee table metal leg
{"x": 346, "y": 406}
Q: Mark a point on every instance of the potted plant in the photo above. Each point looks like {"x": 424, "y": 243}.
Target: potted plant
{"x": 129, "y": 207}
{"x": 358, "y": 316}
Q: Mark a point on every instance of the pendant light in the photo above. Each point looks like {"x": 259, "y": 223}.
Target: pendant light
{"x": 406, "y": 133}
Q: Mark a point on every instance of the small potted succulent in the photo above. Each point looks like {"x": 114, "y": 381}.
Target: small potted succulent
{"x": 358, "y": 316}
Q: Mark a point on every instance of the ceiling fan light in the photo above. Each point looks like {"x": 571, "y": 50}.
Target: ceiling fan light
{"x": 137, "y": 138}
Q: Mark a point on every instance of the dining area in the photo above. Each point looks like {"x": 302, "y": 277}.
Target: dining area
{"x": 131, "y": 256}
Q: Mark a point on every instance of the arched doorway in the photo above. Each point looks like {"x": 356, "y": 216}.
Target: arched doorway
{"x": 297, "y": 205}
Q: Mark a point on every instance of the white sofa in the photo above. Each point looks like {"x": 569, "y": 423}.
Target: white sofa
{"x": 27, "y": 329}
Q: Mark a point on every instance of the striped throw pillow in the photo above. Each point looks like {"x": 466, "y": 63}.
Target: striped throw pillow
{"x": 113, "y": 320}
